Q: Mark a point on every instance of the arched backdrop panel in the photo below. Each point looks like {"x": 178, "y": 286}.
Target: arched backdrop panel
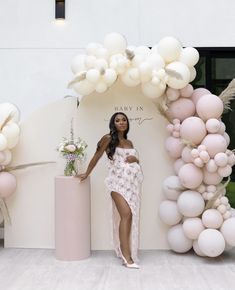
{"x": 32, "y": 206}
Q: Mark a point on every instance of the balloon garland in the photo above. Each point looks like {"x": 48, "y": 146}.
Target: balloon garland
{"x": 195, "y": 208}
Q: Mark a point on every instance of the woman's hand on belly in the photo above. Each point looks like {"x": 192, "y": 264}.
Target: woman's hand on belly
{"x": 131, "y": 159}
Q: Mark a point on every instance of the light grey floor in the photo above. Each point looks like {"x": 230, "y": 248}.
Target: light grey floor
{"x": 33, "y": 269}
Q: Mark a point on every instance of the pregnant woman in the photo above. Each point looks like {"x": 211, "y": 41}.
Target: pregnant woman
{"x": 124, "y": 182}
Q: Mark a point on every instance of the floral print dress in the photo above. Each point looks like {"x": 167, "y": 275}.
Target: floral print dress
{"x": 125, "y": 178}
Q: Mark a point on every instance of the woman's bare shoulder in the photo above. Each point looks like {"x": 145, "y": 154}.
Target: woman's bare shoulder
{"x": 130, "y": 143}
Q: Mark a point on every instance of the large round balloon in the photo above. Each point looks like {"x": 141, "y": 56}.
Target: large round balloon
{"x": 177, "y": 240}
{"x": 172, "y": 187}
{"x": 211, "y": 242}
{"x": 181, "y": 69}
{"x": 193, "y": 227}
{"x": 214, "y": 143}
{"x": 209, "y": 106}
{"x": 198, "y": 93}
{"x": 181, "y": 109}
{"x": 169, "y": 48}
{"x": 115, "y": 43}
{"x": 228, "y": 231}
{"x": 191, "y": 203}
{"x": 7, "y": 184}
{"x": 189, "y": 56}
{"x": 190, "y": 176}
{"x": 169, "y": 213}
{"x": 193, "y": 129}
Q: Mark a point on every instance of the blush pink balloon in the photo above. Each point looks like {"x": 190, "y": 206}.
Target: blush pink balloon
{"x": 211, "y": 178}
{"x": 198, "y": 93}
{"x": 227, "y": 138}
{"x": 7, "y": 184}
{"x": 209, "y": 106}
{"x": 221, "y": 159}
{"x": 211, "y": 166}
{"x": 190, "y": 176}
{"x": 186, "y": 155}
{"x": 214, "y": 143}
{"x": 225, "y": 171}
{"x": 193, "y": 129}
{"x": 178, "y": 164}
{"x": 213, "y": 125}
{"x": 187, "y": 91}
{"x": 174, "y": 146}
{"x": 181, "y": 109}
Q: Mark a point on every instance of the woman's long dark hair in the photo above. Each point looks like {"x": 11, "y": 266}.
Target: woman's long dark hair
{"x": 114, "y": 134}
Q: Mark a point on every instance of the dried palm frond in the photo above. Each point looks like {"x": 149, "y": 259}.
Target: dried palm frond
{"x": 129, "y": 54}
{"x": 23, "y": 166}
{"x": 6, "y": 121}
{"x": 173, "y": 73}
{"x": 228, "y": 95}
{"x": 210, "y": 202}
{"x": 78, "y": 77}
{"x": 162, "y": 107}
{"x": 188, "y": 143}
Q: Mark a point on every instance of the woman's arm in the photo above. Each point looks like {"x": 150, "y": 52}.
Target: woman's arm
{"x": 102, "y": 146}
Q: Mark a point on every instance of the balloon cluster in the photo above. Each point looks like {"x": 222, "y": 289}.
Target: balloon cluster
{"x": 196, "y": 207}
{"x": 9, "y": 137}
{"x": 167, "y": 64}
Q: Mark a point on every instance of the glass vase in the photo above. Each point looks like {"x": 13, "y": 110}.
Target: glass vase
{"x": 70, "y": 168}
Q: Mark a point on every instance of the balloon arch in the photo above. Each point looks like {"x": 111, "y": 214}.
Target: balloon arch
{"x": 196, "y": 208}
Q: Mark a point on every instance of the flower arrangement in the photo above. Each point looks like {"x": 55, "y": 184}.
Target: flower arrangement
{"x": 72, "y": 150}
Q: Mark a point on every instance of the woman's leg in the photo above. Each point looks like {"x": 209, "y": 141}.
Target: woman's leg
{"x": 125, "y": 224}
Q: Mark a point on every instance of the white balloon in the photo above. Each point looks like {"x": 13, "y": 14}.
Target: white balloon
{"x": 92, "y": 47}
{"x": 182, "y": 70}
{"x": 127, "y": 80}
{"x": 192, "y": 228}
{"x": 177, "y": 240}
{"x": 84, "y": 87}
{"x": 101, "y": 87}
{"x": 143, "y": 50}
{"x": 212, "y": 218}
{"x": 145, "y": 72}
{"x": 193, "y": 74}
{"x": 101, "y": 64}
{"x": 11, "y": 130}
{"x": 9, "y": 111}
{"x": 3, "y": 142}
{"x": 211, "y": 242}
{"x": 115, "y": 43}
{"x": 172, "y": 187}
{"x": 189, "y": 56}
{"x": 90, "y": 61}
{"x": 134, "y": 74}
{"x": 93, "y": 75}
{"x": 191, "y": 203}
{"x": 155, "y": 61}
{"x": 137, "y": 60}
{"x": 169, "y": 213}
{"x": 102, "y": 53}
{"x": 110, "y": 76}
{"x": 169, "y": 48}
{"x": 78, "y": 63}
{"x": 153, "y": 91}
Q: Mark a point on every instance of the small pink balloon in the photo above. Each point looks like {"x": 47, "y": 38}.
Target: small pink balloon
{"x": 198, "y": 162}
{"x": 209, "y": 106}
{"x": 178, "y": 164}
{"x": 225, "y": 171}
{"x": 198, "y": 93}
{"x": 172, "y": 94}
{"x": 187, "y": 91}
{"x": 170, "y": 128}
{"x": 174, "y": 146}
{"x": 181, "y": 109}
{"x": 195, "y": 153}
{"x": 213, "y": 125}
{"x": 186, "y": 155}
{"x": 211, "y": 178}
{"x": 211, "y": 166}
{"x": 204, "y": 156}
{"x": 231, "y": 159}
{"x": 176, "y": 134}
{"x": 190, "y": 176}
{"x": 222, "y": 128}
{"x": 221, "y": 159}
{"x": 214, "y": 143}
{"x": 7, "y": 184}
{"x": 193, "y": 129}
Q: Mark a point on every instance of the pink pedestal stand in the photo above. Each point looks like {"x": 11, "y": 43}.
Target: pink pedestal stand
{"x": 72, "y": 218}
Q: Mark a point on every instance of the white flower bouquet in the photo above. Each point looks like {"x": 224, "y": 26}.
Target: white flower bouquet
{"x": 72, "y": 150}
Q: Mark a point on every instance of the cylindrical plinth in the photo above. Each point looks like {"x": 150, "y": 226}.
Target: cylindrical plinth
{"x": 72, "y": 218}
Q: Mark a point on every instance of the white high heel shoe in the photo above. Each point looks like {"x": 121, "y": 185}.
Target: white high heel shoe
{"x": 125, "y": 263}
